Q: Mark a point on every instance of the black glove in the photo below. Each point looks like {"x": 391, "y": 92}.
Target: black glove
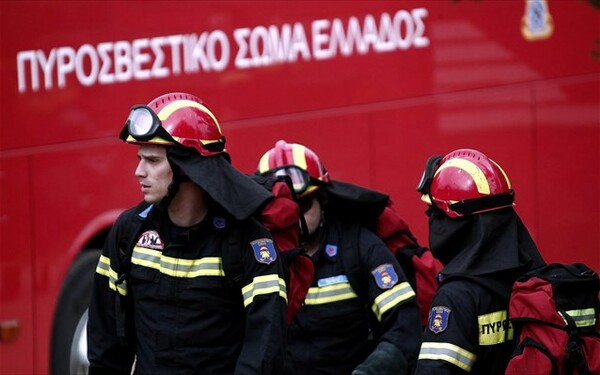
{"x": 386, "y": 359}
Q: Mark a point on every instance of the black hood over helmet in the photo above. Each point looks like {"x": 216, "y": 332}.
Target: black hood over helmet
{"x": 482, "y": 244}
{"x": 345, "y": 200}
{"x": 234, "y": 191}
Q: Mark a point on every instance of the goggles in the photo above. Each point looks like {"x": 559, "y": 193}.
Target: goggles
{"x": 299, "y": 178}
{"x": 430, "y": 168}
{"x": 143, "y": 125}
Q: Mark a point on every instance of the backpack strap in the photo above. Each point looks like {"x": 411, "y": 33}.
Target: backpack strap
{"x": 575, "y": 356}
{"x": 127, "y": 241}
{"x": 232, "y": 258}
{"x": 350, "y": 259}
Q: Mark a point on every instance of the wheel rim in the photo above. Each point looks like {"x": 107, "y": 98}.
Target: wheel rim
{"x": 78, "y": 362}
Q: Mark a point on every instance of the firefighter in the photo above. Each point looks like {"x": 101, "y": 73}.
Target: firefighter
{"x": 160, "y": 293}
{"x": 484, "y": 246}
{"x": 340, "y": 327}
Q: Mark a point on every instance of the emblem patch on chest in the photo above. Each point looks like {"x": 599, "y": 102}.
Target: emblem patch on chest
{"x": 331, "y": 250}
{"x": 150, "y": 240}
{"x": 438, "y": 319}
{"x": 264, "y": 250}
{"x": 385, "y": 276}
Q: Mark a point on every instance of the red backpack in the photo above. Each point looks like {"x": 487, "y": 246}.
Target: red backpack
{"x": 554, "y": 313}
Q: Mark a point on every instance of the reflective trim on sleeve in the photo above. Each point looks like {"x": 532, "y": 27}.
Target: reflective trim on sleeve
{"x": 104, "y": 269}
{"x": 582, "y": 317}
{"x": 266, "y": 284}
{"x": 329, "y": 294}
{"x": 177, "y": 267}
{"x": 442, "y": 351}
{"x": 494, "y": 328}
{"x": 392, "y": 297}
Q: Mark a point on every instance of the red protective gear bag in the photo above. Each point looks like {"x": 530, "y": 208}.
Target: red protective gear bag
{"x": 554, "y": 314}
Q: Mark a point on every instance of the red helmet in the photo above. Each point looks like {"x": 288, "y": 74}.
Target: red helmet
{"x": 298, "y": 162}
{"x": 175, "y": 118}
{"x": 468, "y": 182}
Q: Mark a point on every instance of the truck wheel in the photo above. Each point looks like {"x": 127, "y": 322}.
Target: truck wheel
{"x": 69, "y": 338}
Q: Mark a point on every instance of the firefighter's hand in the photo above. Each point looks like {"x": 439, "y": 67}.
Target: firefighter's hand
{"x": 386, "y": 359}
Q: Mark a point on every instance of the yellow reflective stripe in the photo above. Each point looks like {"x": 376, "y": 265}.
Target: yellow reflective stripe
{"x": 503, "y": 173}
{"x": 173, "y": 106}
{"x": 263, "y": 164}
{"x": 329, "y": 293}
{"x": 391, "y": 298}
{"x": 494, "y": 328}
{"x": 299, "y": 155}
{"x": 103, "y": 268}
{"x": 158, "y": 140}
{"x": 582, "y": 317}
{"x": 177, "y": 267}
{"x": 472, "y": 169}
{"x": 442, "y": 351}
{"x": 261, "y": 285}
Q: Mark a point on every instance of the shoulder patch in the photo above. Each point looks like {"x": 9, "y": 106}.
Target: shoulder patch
{"x": 385, "y": 276}
{"x": 264, "y": 250}
{"x": 438, "y": 319}
{"x": 150, "y": 240}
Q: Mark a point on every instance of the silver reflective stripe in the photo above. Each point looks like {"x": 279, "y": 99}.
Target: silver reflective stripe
{"x": 329, "y": 294}
{"x": 582, "y": 317}
{"x": 104, "y": 269}
{"x": 177, "y": 267}
{"x": 443, "y": 351}
{"x": 266, "y": 284}
{"x": 391, "y": 298}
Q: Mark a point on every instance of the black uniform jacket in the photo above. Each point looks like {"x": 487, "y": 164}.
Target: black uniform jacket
{"x": 468, "y": 329}
{"x": 331, "y": 332}
{"x": 183, "y": 315}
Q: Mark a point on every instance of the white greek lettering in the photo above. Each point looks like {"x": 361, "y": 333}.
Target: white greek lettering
{"x": 139, "y": 58}
{"x": 86, "y": 52}
{"x": 47, "y": 65}
{"x": 321, "y": 47}
{"x": 420, "y": 40}
{"x": 217, "y": 40}
{"x": 105, "y": 76}
{"x": 122, "y": 61}
{"x": 22, "y": 59}
{"x": 240, "y": 36}
{"x": 158, "y": 70}
{"x": 175, "y": 42}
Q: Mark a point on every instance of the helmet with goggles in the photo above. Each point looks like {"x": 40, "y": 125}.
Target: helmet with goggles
{"x": 465, "y": 182}
{"x": 298, "y": 162}
{"x": 175, "y": 119}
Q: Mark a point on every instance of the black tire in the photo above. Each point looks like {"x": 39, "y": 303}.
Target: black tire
{"x": 70, "y": 319}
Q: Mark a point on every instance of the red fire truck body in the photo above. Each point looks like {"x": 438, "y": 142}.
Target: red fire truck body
{"x": 373, "y": 87}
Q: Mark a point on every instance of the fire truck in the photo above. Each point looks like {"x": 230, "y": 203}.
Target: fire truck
{"x": 374, "y": 87}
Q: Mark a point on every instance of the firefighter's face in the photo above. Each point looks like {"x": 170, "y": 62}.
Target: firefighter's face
{"x": 153, "y": 172}
{"x": 313, "y": 216}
